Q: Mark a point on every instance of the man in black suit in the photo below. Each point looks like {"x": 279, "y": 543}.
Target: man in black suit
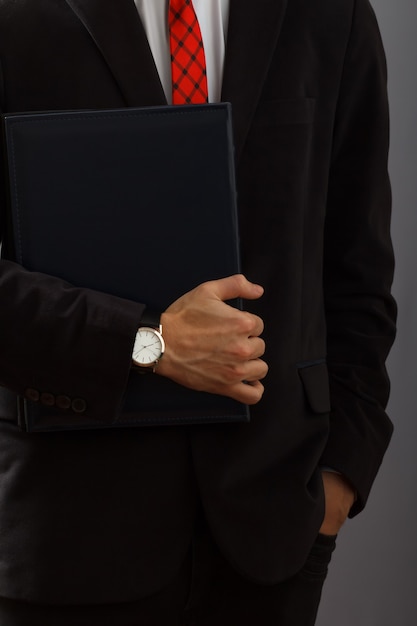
{"x": 238, "y": 522}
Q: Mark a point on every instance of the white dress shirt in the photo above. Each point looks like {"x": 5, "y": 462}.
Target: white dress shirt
{"x": 213, "y": 17}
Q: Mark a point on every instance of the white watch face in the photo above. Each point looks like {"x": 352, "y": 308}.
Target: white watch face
{"x": 148, "y": 348}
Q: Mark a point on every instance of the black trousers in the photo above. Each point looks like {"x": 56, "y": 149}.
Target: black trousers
{"x": 207, "y": 591}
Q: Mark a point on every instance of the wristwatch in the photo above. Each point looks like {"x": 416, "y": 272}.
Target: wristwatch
{"x": 149, "y": 344}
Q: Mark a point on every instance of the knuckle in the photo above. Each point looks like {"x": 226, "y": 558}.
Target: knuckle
{"x": 204, "y": 288}
{"x": 265, "y": 369}
{"x": 256, "y": 395}
{"x": 246, "y": 323}
{"x": 259, "y": 346}
{"x": 239, "y": 280}
{"x": 234, "y": 373}
{"x": 243, "y": 351}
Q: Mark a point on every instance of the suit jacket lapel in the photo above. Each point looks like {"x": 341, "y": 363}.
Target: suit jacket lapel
{"x": 251, "y": 40}
{"x": 117, "y": 31}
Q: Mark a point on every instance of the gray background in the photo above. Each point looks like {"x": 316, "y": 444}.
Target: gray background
{"x": 373, "y": 576}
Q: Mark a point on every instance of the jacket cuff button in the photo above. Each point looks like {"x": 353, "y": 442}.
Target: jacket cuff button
{"x": 32, "y": 394}
{"x": 47, "y": 399}
{"x": 78, "y": 405}
{"x": 63, "y": 402}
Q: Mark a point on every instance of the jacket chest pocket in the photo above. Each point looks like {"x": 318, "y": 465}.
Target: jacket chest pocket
{"x": 278, "y": 150}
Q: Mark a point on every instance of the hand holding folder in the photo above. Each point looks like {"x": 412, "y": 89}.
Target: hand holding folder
{"x": 138, "y": 203}
{"x": 223, "y": 357}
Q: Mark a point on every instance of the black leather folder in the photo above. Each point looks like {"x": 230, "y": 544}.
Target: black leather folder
{"x": 139, "y": 203}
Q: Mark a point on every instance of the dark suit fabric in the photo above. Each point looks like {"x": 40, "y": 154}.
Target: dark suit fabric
{"x": 106, "y": 516}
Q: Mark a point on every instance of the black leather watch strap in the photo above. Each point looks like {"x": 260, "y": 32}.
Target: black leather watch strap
{"x": 150, "y": 317}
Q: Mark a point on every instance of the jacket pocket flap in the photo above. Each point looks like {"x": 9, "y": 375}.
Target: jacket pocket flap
{"x": 315, "y": 379}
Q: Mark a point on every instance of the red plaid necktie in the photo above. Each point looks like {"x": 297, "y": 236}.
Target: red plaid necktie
{"x": 188, "y": 62}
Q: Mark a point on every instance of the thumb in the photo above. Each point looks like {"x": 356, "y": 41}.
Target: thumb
{"x": 236, "y": 286}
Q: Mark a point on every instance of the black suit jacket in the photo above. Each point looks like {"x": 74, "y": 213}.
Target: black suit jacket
{"x": 107, "y": 515}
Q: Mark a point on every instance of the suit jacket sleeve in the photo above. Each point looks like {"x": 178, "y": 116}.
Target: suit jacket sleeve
{"x": 54, "y": 338}
{"x": 358, "y": 263}
{"x": 60, "y": 340}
